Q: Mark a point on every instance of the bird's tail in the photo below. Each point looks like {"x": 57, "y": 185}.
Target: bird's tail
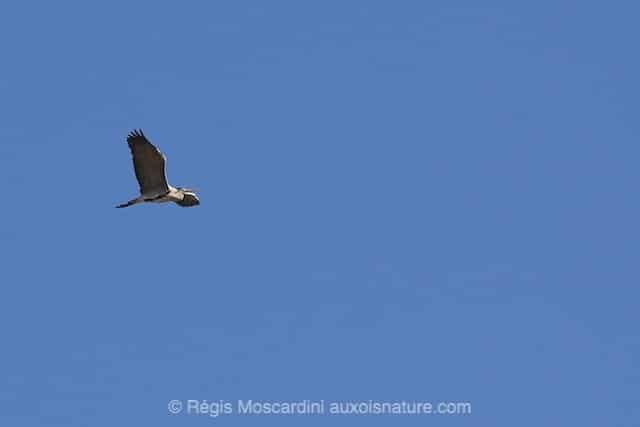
{"x": 130, "y": 203}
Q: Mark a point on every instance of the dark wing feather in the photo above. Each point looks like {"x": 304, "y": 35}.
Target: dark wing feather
{"x": 149, "y": 164}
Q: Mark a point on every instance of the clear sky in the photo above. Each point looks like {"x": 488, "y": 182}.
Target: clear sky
{"x": 416, "y": 200}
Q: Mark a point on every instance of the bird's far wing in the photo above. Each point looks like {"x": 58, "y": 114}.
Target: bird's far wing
{"x": 149, "y": 164}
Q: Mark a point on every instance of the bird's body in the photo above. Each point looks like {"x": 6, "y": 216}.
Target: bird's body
{"x": 149, "y": 165}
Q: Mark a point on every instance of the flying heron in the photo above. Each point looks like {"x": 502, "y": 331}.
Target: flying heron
{"x": 149, "y": 164}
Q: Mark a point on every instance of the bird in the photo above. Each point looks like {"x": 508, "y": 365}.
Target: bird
{"x": 149, "y": 165}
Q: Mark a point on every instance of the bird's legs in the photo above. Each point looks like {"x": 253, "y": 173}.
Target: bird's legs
{"x": 131, "y": 202}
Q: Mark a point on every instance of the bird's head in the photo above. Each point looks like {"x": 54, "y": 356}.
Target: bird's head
{"x": 187, "y": 190}
{"x": 190, "y": 197}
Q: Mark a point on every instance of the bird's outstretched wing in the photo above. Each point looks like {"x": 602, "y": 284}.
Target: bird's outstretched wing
{"x": 149, "y": 164}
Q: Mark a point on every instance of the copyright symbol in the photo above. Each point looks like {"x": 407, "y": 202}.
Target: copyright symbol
{"x": 174, "y": 406}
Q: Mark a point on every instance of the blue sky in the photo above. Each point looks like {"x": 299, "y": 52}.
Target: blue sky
{"x": 421, "y": 201}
